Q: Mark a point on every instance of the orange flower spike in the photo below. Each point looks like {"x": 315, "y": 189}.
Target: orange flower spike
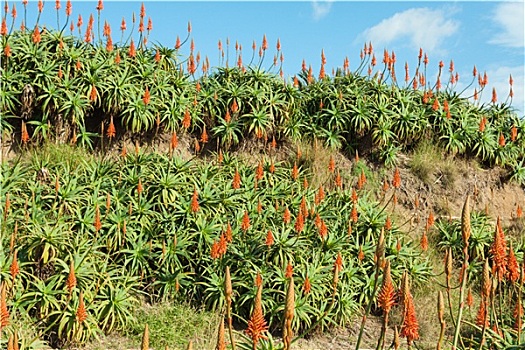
{"x": 245, "y": 225}
{"x": 295, "y": 171}
{"x": 513, "y": 270}
{"x": 7, "y": 50}
{"x": 338, "y": 181}
{"x": 410, "y": 327}
{"x": 323, "y": 229}
{"x": 331, "y": 164}
{"x": 259, "y": 172}
{"x": 388, "y": 224}
{"x": 81, "y": 310}
{"x": 361, "y": 254}
{"x": 236, "y": 183}
{"x": 519, "y": 212}
{"x": 470, "y": 298}
{"x": 286, "y": 216}
{"x": 174, "y": 141}
{"x": 307, "y": 286}
{"x": 71, "y": 281}
{"x": 36, "y": 35}
{"x": 204, "y": 135}
{"x": 97, "y": 223}
{"x": 501, "y": 140}
{"x": 140, "y": 188}
{"x": 424, "y": 242}
{"x": 387, "y": 294}
{"x": 396, "y": 181}
{"x": 4, "y": 312}
{"x": 264, "y": 43}
{"x": 25, "y": 134}
{"x": 354, "y": 214}
{"x": 93, "y": 94}
{"x": 3, "y": 29}
{"x": 269, "y": 239}
{"x": 338, "y": 264}
{"x": 494, "y": 96}
{"x": 235, "y": 106}
{"x": 229, "y": 234}
{"x": 195, "y": 201}
{"x": 299, "y": 222}
{"x": 518, "y": 315}
{"x": 435, "y": 106}
{"x": 481, "y": 316}
{"x": 132, "y": 51}
{"x": 186, "y": 121}
{"x": 499, "y": 252}
{"x": 513, "y": 133}
{"x": 14, "y": 269}
{"x": 289, "y": 271}
{"x": 430, "y": 220}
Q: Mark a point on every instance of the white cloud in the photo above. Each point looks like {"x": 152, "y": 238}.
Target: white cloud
{"x": 419, "y": 27}
{"x": 509, "y": 16}
{"x": 321, "y": 9}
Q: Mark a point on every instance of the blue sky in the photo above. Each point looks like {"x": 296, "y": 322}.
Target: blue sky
{"x": 487, "y": 34}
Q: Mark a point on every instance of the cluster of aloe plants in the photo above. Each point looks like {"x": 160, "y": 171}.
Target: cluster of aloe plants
{"x": 500, "y": 288}
{"x": 85, "y": 88}
{"x": 161, "y": 228}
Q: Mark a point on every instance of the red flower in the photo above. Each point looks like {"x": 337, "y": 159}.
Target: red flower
{"x": 7, "y": 50}
{"x": 36, "y": 35}
{"x": 69, "y": 8}
{"x": 299, "y": 222}
{"x": 354, "y": 214}
{"x": 3, "y": 29}
{"x": 396, "y": 181}
{"x": 424, "y": 241}
{"x": 111, "y": 129}
{"x": 97, "y": 223}
{"x": 146, "y": 97}
{"x": 513, "y": 133}
{"x": 410, "y": 327}
{"x": 259, "y": 172}
{"x": 289, "y": 271}
{"x": 513, "y": 271}
{"x": 387, "y": 294}
{"x": 71, "y": 281}
{"x": 236, "y": 183}
{"x": 93, "y": 94}
{"x": 295, "y": 171}
{"x": 501, "y": 140}
{"x": 499, "y": 252}
{"x": 269, "y": 238}
{"x": 245, "y": 225}
{"x": 195, "y": 201}
{"x": 132, "y": 51}
{"x": 307, "y": 286}
{"x": 14, "y": 269}
{"x": 186, "y": 122}
{"x": 481, "y": 316}
{"x": 204, "y": 135}
{"x": 81, "y": 310}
